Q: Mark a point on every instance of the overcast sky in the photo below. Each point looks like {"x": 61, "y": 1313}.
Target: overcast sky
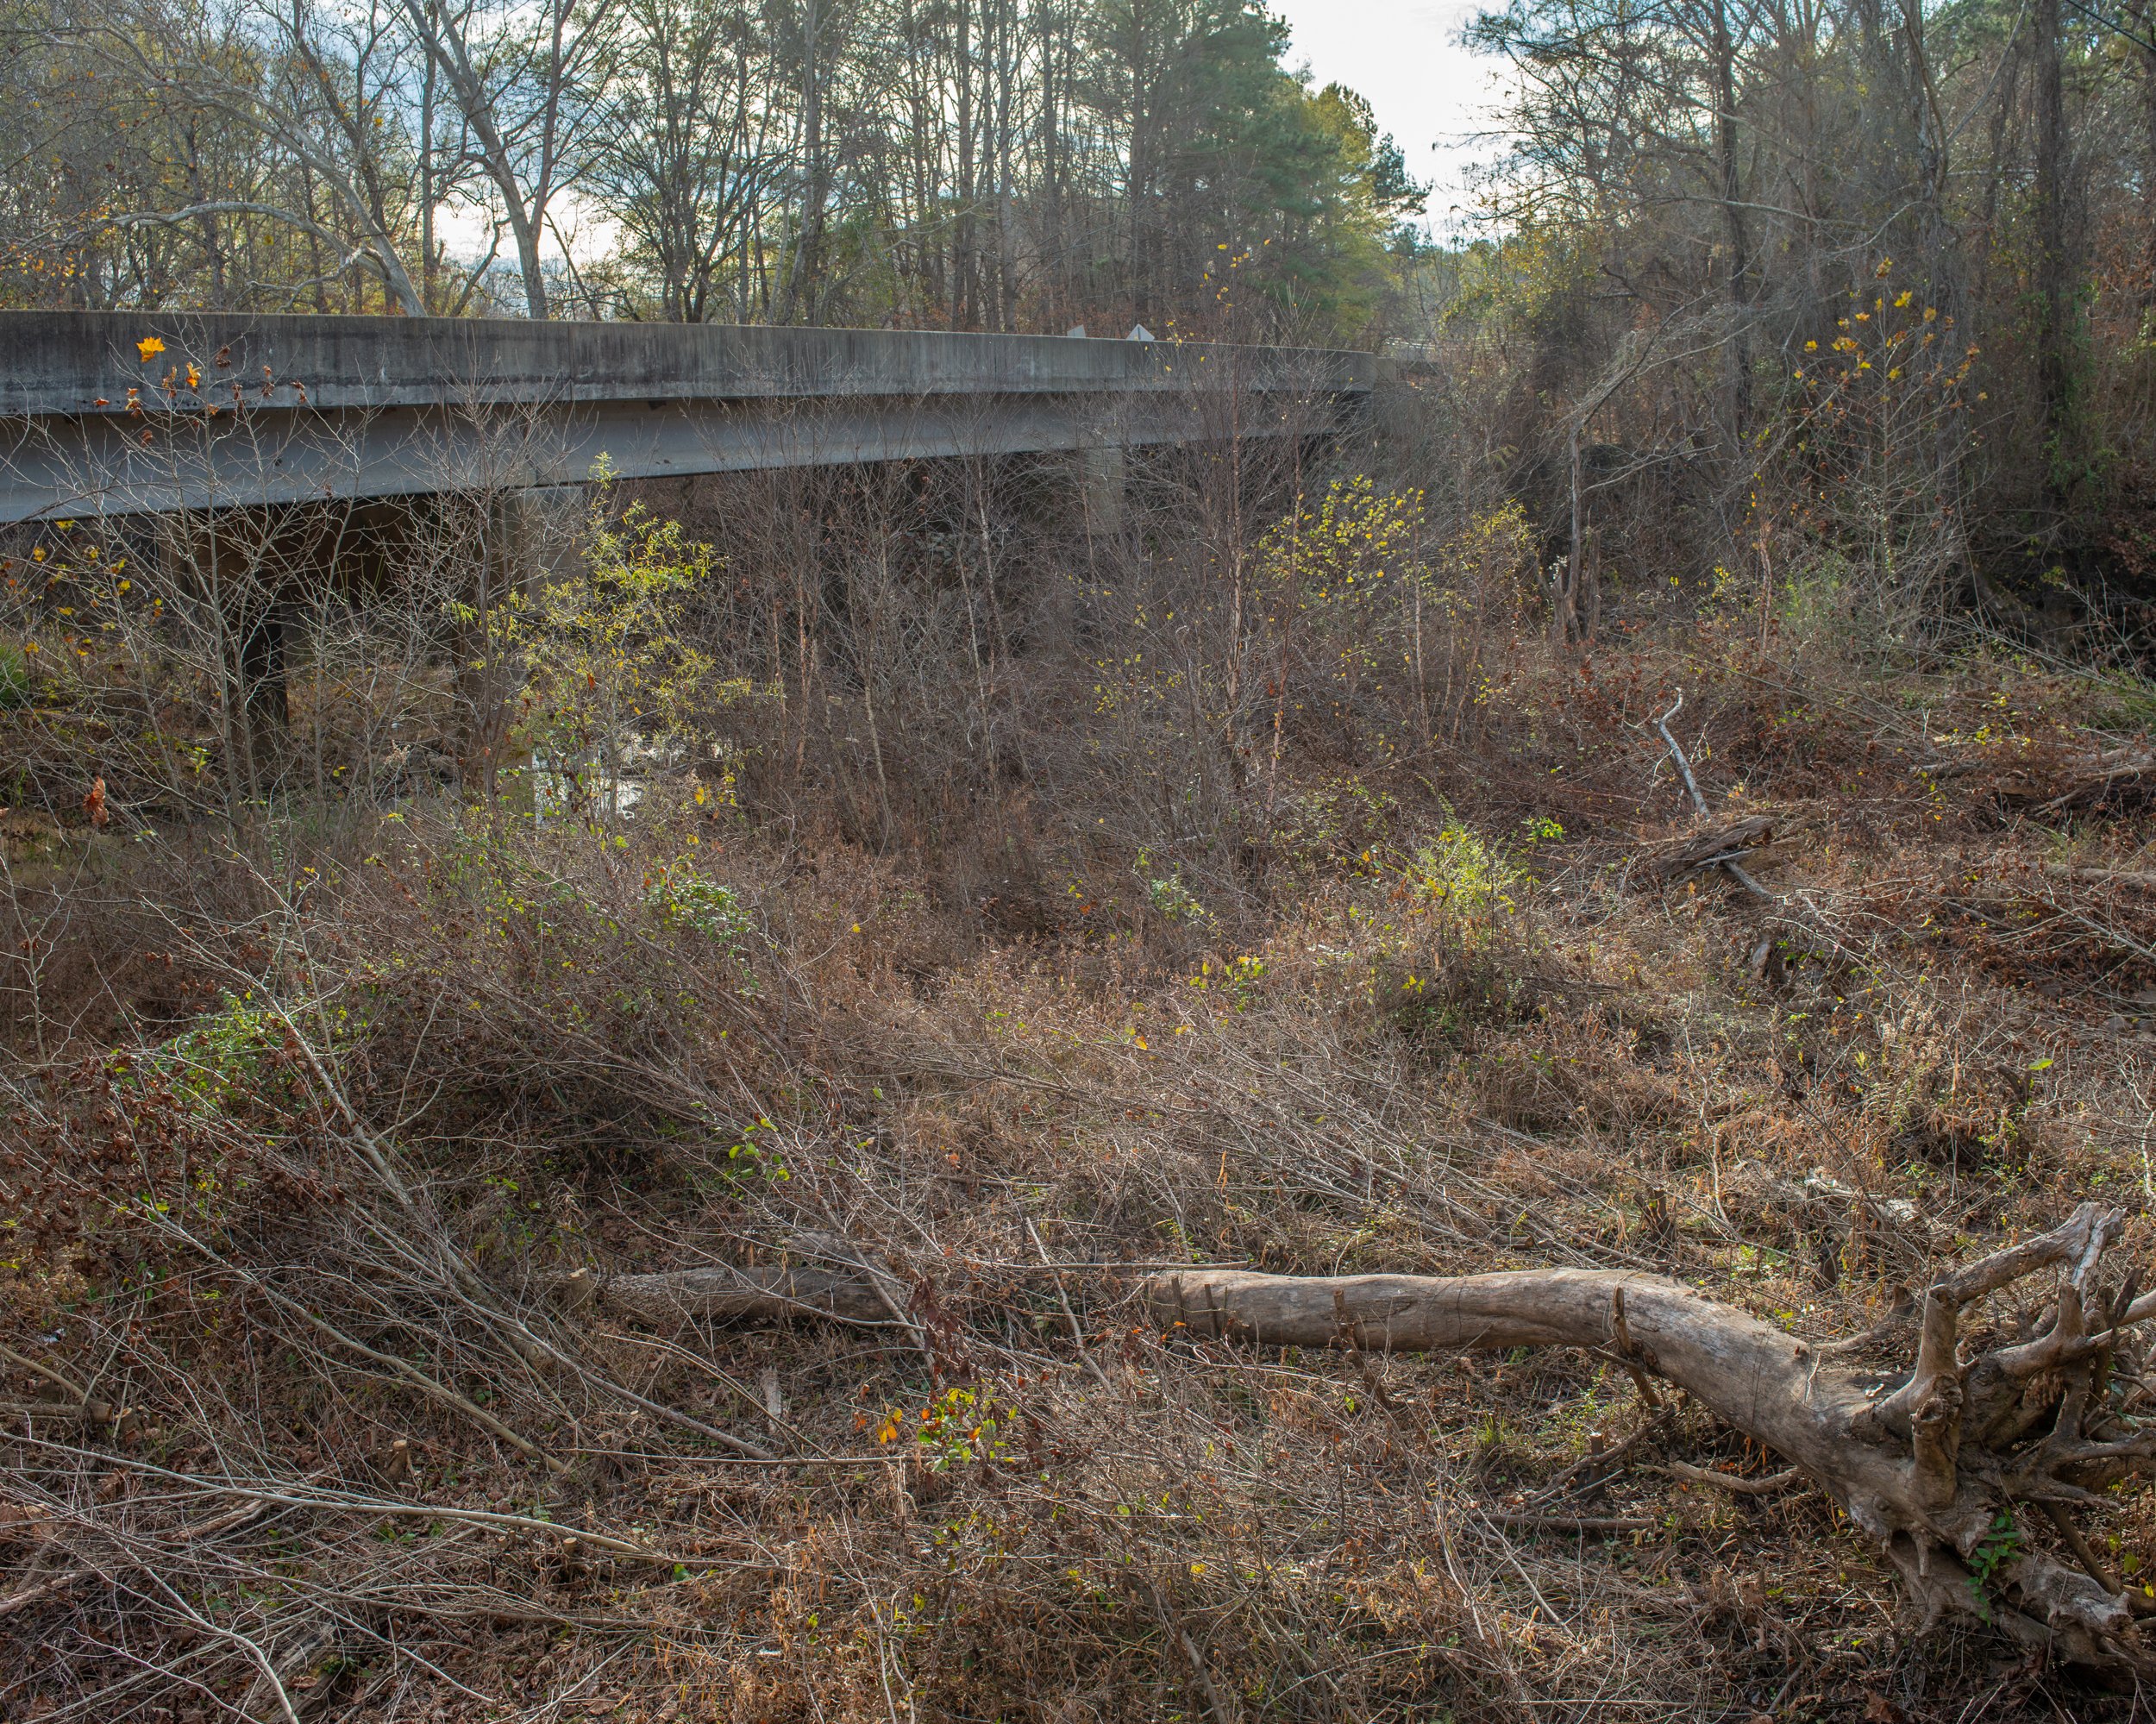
{"x": 1405, "y": 55}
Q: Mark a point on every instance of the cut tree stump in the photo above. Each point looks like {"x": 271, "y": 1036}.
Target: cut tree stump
{"x": 1937, "y": 1470}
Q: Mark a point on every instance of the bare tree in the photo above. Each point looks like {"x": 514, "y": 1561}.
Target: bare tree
{"x": 528, "y": 81}
{"x": 696, "y": 150}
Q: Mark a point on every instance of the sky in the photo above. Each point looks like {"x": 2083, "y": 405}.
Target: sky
{"x": 1405, "y": 55}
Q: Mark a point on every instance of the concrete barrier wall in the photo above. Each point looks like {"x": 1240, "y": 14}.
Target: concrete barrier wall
{"x": 85, "y": 362}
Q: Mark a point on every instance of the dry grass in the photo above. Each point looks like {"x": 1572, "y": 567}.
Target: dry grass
{"x": 347, "y": 1452}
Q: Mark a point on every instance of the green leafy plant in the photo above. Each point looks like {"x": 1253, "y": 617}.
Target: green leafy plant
{"x": 684, "y": 899}
{"x": 220, "y": 1056}
{"x": 1172, "y": 899}
{"x": 1462, "y": 875}
{"x": 15, "y": 679}
{"x": 748, "y": 1157}
{"x": 957, "y": 1426}
{"x": 611, "y": 674}
{"x": 2000, "y": 1547}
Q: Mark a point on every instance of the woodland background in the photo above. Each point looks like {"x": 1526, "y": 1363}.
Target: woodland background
{"x": 1875, "y": 278}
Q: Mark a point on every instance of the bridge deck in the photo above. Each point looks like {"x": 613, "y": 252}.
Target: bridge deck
{"x": 235, "y": 411}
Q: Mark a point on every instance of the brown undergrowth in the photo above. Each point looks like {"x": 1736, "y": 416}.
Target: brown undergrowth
{"x": 312, "y": 1413}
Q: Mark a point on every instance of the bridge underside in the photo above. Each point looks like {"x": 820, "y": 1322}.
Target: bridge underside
{"x": 101, "y": 469}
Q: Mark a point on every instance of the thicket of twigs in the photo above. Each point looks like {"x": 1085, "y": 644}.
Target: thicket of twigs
{"x": 561, "y": 1254}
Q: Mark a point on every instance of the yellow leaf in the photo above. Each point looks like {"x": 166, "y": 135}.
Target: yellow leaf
{"x": 149, "y": 347}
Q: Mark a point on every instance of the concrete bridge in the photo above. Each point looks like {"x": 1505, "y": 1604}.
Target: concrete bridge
{"x": 118, "y": 413}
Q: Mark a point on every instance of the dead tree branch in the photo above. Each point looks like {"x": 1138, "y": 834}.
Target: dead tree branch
{"x": 1934, "y": 1469}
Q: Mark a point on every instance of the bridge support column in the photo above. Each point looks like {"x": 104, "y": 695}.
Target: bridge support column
{"x": 265, "y": 621}
{"x": 238, "y": 563}
{"x": 1103, "y": 476}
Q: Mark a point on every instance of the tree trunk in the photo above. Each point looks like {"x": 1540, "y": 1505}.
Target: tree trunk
{"x": 1733, "y": 224}
{"x": 2144, "y": 27}
{"x": 804, "y": 268}
{"x": 1565, "y": 602}
{"x": 2054, "y": 362}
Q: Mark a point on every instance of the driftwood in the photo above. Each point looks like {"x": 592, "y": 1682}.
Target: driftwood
{"x": 1937, "y": 1467}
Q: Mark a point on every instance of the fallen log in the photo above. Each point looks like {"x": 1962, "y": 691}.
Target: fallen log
{"x": 2085, "y": 783}
{"x": 1737, "y": 841}
{"x": 2057, "y": 784}
{"x": 818, "y": 1277}
{"x": 1725, "y": 847}
{"x": 752, "y": 1296}
{"x": 281, "y": 1692}
{"x": 1935, "y": 1468}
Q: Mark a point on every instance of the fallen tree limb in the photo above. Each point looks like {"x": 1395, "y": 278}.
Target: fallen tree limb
{"x": 231, "y": 1521}
{"x": 259, "y": 1499}
{"x": 2083, "y": 782}
{"x": 1733, "y": 840}
{"x": 1730, "y": 1481}
{"x": 1934, "y": 1469}
{"x": 1725, "y": 847}
{"x": 1572, "y": 1523}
